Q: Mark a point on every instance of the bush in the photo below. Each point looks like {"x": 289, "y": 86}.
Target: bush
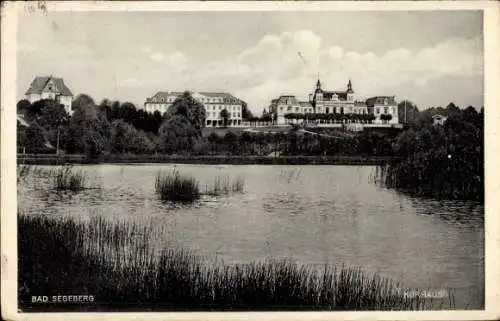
{"x": 175, "y": 187}
{"x": 66, "y": 178}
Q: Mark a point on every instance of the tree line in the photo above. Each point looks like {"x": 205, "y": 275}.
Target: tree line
{"x": 441, "y": 161}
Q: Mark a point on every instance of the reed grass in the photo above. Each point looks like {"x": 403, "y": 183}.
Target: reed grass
{"x": 224, "y": 185}
{"x": 119, "y": 266}
{"x": 176, "y": 187}
{"x": 66, "y": 178}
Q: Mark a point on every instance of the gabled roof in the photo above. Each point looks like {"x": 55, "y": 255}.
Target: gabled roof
{"x": 39, "y": 83}
{"x": 438, "y": 116}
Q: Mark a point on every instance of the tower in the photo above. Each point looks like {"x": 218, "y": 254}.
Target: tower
{"x": 317, "y": 99}
{"x": 350, "y": 92}
{"x": 349, "y": 87}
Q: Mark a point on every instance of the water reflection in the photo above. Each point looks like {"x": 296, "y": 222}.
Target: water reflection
{"x": 315, "y": 214}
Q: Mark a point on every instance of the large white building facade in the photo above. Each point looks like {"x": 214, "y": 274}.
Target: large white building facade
{"x": 50, "y": 88}
{"x": 214, "y": 104}
{"x": 383, "y": 109}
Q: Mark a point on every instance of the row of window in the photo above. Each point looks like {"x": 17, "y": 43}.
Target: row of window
{"x": 200, "y": 99}
{"x": 334, "y": 98}
{"x": 219, "y": 107}
{"x": 221, "y": 122}
{"x": 385, "y": 109}
{"x": 217, "y": 114}
{"x": 326, "y": 110}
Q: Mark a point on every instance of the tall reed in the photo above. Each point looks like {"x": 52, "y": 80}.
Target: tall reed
{"x": 174, "y": 187}
{"x": 224, "y": 185}
{"x": 67, "y": 178}
{"x": 118, "y": 265}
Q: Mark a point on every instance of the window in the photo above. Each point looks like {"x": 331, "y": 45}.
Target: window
{"x": 289, "y": 108}
{"x": 377, "y": 110}
{"x": 385, "y": 110}
{"x": 297, "y": 109}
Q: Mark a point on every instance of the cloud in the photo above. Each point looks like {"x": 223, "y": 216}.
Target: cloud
{"x": 156, "y": 56}
{"x": 289, "y": 63}
{"x": 276, "y": 64}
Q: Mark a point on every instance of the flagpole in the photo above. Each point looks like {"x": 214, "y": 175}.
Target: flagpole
{"x": 405, "y": 111}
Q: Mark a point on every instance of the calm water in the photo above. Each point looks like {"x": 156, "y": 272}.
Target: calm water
{"x": 315, "y": 214}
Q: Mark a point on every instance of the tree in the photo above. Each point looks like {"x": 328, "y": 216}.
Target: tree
{"x": 89, "y": 130}
{"x": 23, "y": 106}
{"x": 32, "y": 138}
{"x": 452, "y": 109}
{"x": 177, "y": 134}
{"x": 52, "y": 114}
{"x": 122, "y": 136}
{"x": 246, "y": 114}
{"x": 186, "y": 106}
{"x": 407, "y": 112}
{"x": 213, "y": 138}
{"x": 224, "y": 114}
{"x": 82, "y": 101}
{"x": 231, "y": 140}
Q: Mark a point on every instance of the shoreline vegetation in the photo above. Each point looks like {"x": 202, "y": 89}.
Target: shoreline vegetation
{"x": 47, "y": 159}
{"x": 116, "y": 263}
{"x": 423, "y": 158}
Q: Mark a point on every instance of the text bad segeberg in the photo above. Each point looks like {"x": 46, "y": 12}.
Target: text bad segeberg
{"x": 62, "y": 299}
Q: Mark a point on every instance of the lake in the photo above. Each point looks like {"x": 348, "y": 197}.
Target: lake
{"x": 314, "y": 214}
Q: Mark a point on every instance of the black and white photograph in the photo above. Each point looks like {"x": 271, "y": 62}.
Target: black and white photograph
{"x": 195, "y": 158}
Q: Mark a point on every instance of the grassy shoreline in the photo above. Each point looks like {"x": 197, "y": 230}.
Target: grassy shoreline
{"x": 107, "y": 259}
{"x": 208, "y": 159}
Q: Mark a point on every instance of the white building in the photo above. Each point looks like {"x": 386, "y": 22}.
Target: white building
{"x": 439, "y": 119}
{"x": 288, "y": 104}
{"x": 50, "y": 88}
{"x": 383, "y": 107}
{"x": 214, "y": 104}
{"x": 336, "y": 102}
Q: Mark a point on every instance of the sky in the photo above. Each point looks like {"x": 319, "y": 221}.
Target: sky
{"x": 428, "y": 57}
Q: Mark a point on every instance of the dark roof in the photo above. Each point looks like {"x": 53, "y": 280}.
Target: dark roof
{"x": 379, "y": 100}
{"x": 329, "y": 94}
{"x": 163, "y": 95}
{"x": 39, "y": 83}
{"x": 166, "y": 94}
{"x": 224, "y": 96}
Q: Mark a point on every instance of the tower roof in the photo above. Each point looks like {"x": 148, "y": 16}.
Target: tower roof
{"x": 349, "y": 87}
